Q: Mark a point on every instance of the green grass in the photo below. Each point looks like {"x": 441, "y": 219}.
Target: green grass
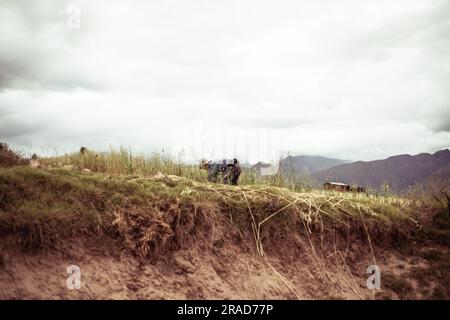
{"x": 124, "y": 204}
{"x": 125, "y": 162}
{"x": 44, "y": 208}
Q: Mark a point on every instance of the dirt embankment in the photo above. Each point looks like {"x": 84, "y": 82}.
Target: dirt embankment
{"x": 193, "y": 274}
{"x": 168, "y": 238}
{"x": 222, "y": 270}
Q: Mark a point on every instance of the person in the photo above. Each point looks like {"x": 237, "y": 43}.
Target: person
{"x": 83, "y": 151}
{"x": 34, "y": 161}
{"x": 232, "y": 173}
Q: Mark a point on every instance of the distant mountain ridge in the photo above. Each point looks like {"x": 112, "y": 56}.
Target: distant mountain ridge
{"x": 399, "y": 171}
{"x": 308, "y": 164}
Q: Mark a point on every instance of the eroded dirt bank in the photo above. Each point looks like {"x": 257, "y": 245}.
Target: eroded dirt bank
{"x": 223, "y": 272}
{"x": 170, "y": 238}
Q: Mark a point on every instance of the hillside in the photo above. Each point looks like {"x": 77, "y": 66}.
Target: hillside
{"x": 168, "y": 237}
{"x": 399, "y": 171}
{"x": 309, "y": 164}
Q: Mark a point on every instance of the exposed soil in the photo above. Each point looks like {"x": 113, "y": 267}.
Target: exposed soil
{"x": 167, "y": 238}
{"x": 222, "y": 271}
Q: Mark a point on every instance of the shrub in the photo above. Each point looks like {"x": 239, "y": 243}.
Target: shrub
{"x": 9, "y": 158}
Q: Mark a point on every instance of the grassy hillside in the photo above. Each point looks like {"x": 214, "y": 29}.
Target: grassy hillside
{"x": 107, "y": 206}
{"x": 45, "y": 207}
{"x": 125, "y": 162}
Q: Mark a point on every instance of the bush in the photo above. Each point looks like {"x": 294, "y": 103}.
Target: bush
{"x": 9, "y": 158}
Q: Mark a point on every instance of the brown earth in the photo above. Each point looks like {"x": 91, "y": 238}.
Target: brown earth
{"x": 170, "y": 238}
{"x": 219, "y": 271}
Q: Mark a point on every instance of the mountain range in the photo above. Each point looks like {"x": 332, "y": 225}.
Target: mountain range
{"x": 399, "y": 172}
{"x": 308, "y": 164}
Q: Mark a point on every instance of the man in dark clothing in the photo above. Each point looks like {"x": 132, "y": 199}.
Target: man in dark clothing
{"x": 232, "y": 173}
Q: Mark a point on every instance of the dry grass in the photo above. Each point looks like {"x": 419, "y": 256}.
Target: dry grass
{"x": 125, "y": 162}
{"x": 150, "y": 205}
{"x": 9, "y": 158}
{"x": 47, "y": 206}
{"x": 150, "y": 215}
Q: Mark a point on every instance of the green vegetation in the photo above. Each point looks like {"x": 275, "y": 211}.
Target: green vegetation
{"x": 9, "y": 158}
{"x": 94, "y": 193}
{"x": 147, "y": 214}
{"x": 121, "y": 202}
{"x": 125, "y": 162}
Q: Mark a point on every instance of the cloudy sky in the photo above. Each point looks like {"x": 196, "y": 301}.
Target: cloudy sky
{"x": 256, "y": 79}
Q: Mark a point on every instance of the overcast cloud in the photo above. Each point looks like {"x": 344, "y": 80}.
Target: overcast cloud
{"x": 253, "y": 79}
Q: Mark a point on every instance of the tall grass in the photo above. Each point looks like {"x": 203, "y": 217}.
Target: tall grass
{"x": 124, "y": 162}
{"x": 47, "y": 206}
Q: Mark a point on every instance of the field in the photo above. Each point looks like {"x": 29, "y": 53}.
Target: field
{"x": 153, "y": 228}
{"x": 125, "y": 162}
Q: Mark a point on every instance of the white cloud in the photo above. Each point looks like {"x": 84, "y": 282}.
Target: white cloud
{"x": 356, "y": 80}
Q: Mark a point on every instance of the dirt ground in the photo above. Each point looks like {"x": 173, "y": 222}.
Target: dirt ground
{"x": 222, "y": 272}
